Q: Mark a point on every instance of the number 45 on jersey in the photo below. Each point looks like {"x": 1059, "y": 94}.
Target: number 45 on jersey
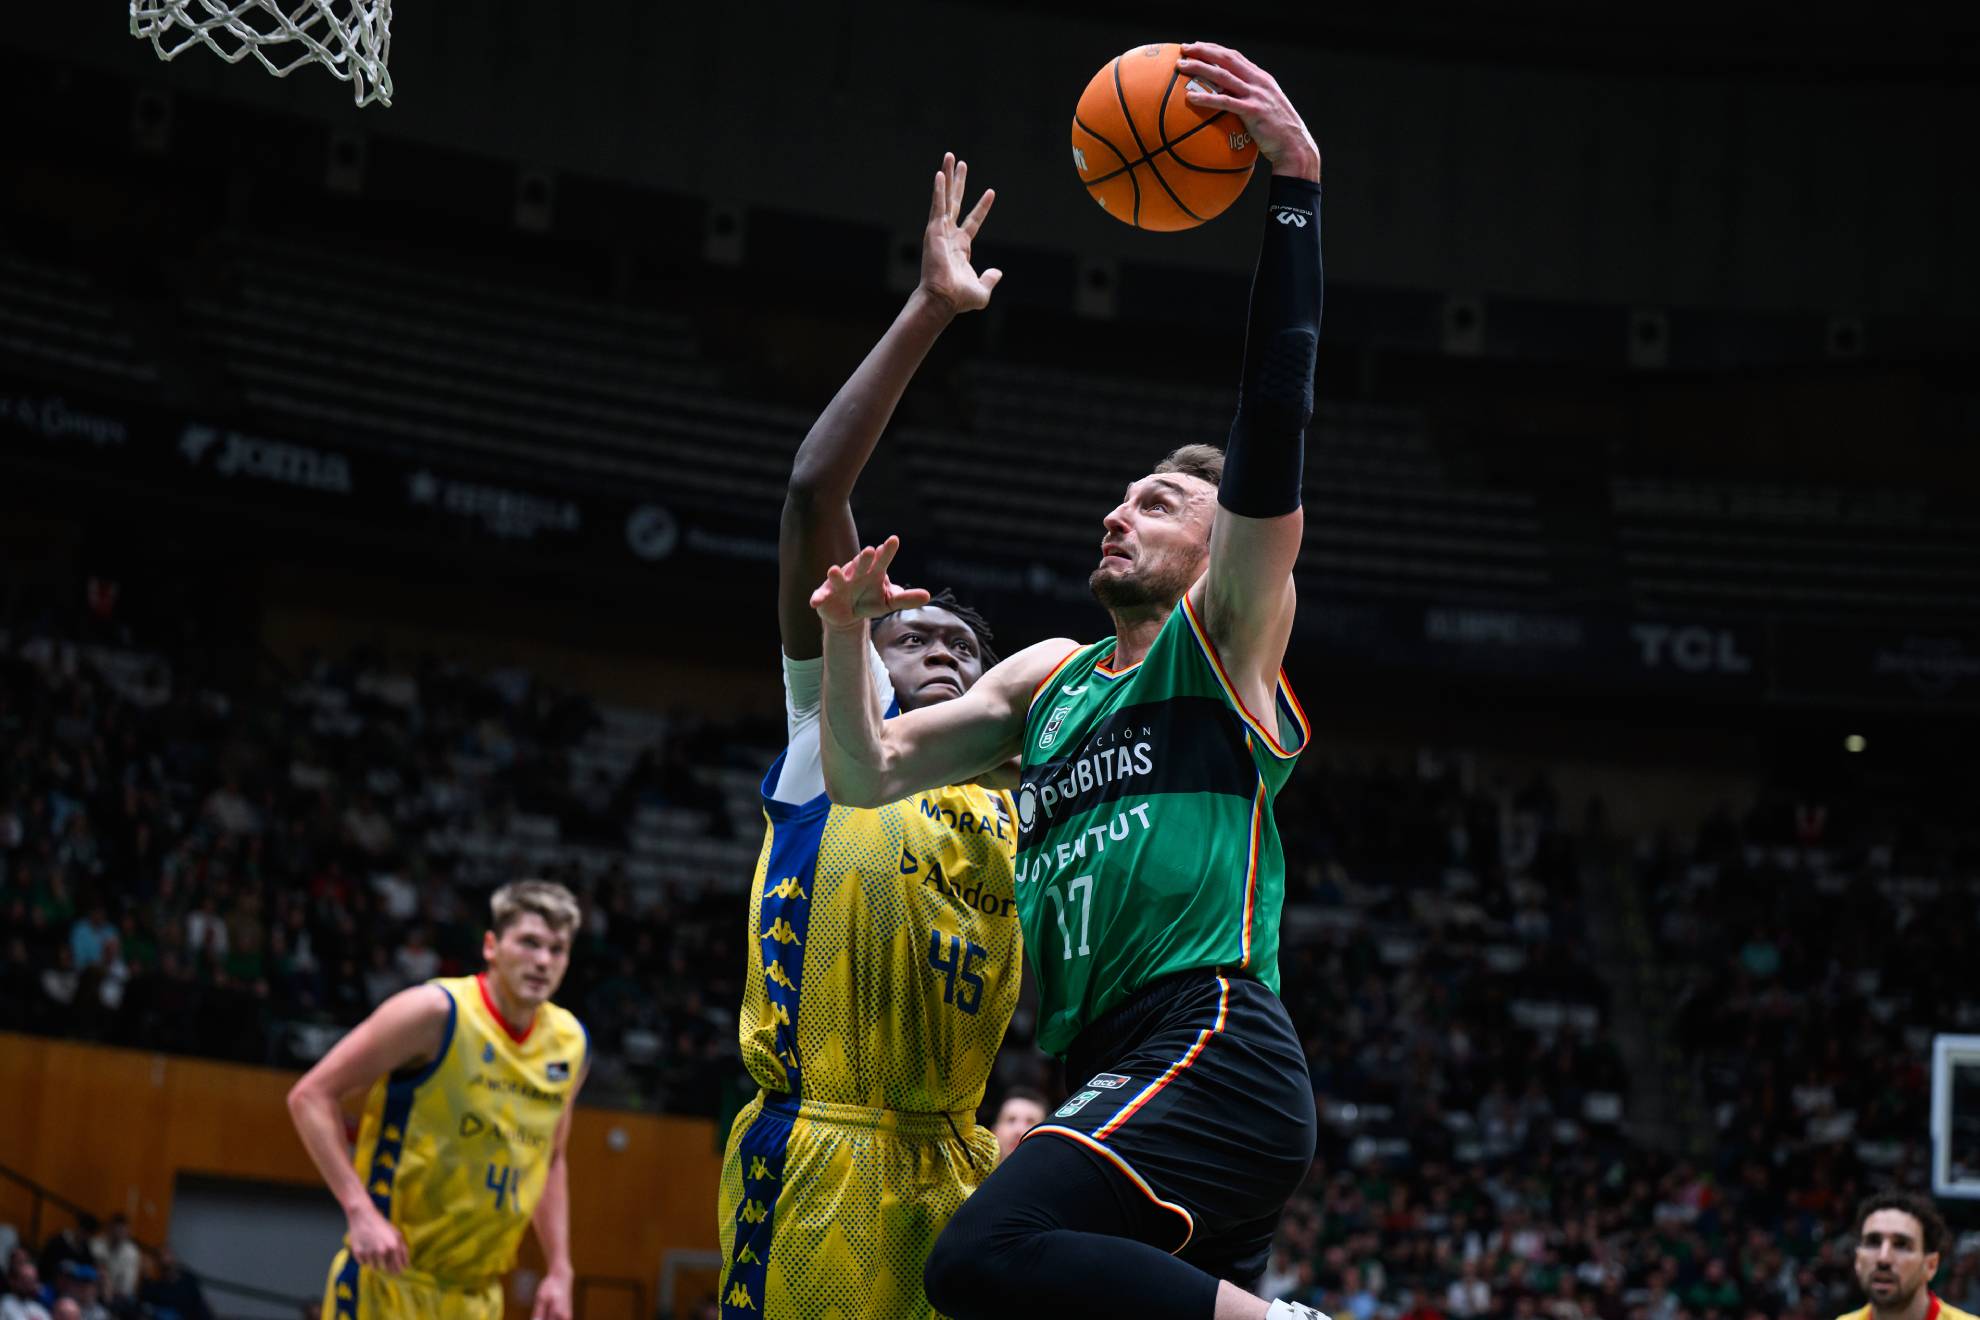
{"x": 957, "y": 961}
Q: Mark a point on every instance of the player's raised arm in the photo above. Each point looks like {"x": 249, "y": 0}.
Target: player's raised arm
{"x": 870, "y": 761}
{"x": 1246, "y": 595}
{"x": 408, "y": 1028}
{"x": 817, "y": 529}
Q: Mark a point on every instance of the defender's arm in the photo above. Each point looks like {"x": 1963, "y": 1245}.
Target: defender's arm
{"x": 817, "y": 529}
{"x": 870, "y": 761}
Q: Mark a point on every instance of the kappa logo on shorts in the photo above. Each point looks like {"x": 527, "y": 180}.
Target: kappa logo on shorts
{"x": 1109, "y": 1081}
{"x": 1077, "y": 1103}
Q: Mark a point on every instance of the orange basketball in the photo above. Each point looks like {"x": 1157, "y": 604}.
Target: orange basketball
{"x": 1148, "y": 157}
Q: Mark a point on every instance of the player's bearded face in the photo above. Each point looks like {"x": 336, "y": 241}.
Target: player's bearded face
{"x": 1891, "y": 1261}
{"x": 529, "y": 959}
{"x": 1155, "y": 543}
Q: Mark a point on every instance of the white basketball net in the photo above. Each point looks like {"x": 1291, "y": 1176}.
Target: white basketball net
{"x": 351, "y": 38}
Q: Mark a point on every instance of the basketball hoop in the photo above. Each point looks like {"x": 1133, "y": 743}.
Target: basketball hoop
{"x": 351, "y": 38}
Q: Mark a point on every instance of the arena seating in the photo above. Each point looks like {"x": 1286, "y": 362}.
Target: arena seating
{"x": 432, "y": 360}
{"x": 1383, "y": 517}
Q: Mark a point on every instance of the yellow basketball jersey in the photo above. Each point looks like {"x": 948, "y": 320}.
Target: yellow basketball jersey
{"x": 883, "y": 950}
{"x": 1935, "y": 1310}
{"x": 455, "y": 1153}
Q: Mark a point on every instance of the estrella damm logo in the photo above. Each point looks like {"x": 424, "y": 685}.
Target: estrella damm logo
{"x": 758, "y": 1169}
{"x": 738, "y": 1296}
{"x": 786, "y": 888}
{"x": 776, "y": 975}
{"x": 780, "y": 931}
{"x": 752, "y": 1212}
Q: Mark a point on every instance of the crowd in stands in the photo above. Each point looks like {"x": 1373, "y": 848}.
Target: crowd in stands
{"x": 245, "y": 868}
{"x": 92, "y": 1271}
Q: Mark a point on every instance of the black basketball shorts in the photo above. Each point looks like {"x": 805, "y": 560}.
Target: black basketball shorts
{"x": 1196, "y": 1090}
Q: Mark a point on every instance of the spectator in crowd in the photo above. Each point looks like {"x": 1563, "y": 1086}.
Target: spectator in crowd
{"x": 69, "y": 1245}
{"x": 174, "y": 1292}
{"x": 417, "y": 960}
{"x": 118, "y": 1260}
{"x": 1419, "y": 1306}
{"x": 24, "y": 1296}
{"x": 80, "y": 1287}
{"x": 1468, "y": 1297}
{"x": 89, "y": 935}
{"x": 1021, "y": 1110}
{"x": 60, "y": 982}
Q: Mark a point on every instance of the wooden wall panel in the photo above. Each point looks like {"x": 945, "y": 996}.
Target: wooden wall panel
{"x": 111, "y": 1128}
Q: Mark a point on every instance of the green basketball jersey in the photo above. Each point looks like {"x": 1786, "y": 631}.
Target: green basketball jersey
{"x": 1146, "y": 843}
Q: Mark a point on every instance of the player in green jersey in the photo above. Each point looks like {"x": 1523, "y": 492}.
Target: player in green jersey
{"x": 1150, "y": 875}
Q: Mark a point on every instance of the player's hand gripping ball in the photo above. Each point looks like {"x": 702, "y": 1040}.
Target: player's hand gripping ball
{"x": 1147, "y": 156}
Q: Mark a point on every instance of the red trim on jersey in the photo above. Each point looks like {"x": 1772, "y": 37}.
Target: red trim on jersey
{"x": 1175, "y": 1069}
{"x": 1046, "y": 681}
{"x": 1933, "y": 1312}
{"x": 1281, "y": 688}
{"x": 488, "y": 1002}
{"x": 1251, "y": 869}
{"x": 1100, "y": 666}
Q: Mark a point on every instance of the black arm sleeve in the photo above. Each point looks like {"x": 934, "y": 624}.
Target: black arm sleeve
{"x": 1267, "y": 450}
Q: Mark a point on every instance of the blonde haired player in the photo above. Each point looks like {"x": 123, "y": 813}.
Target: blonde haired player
{"x": 883, "y": 942}
{"x": 469, "y": 1082}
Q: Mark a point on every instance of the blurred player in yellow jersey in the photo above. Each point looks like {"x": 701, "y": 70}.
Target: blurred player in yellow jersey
{"x": 883, "y": 950}
{"x": 1899, "y": 1238}
{"x": 468, "y": 1086}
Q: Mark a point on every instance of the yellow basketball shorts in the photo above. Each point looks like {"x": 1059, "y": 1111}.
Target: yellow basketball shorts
{"x": 357, "y": 1293}
{"x": 828, "y": 1211}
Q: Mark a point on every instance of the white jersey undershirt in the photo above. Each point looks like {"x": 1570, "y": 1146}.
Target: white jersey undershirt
{"x": 801, "y": 777}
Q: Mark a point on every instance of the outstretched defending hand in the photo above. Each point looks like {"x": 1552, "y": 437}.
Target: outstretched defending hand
{"x": 1253, "y": 95}
{"x": 860, "y": 589}
{"x": 946, "y": 272}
